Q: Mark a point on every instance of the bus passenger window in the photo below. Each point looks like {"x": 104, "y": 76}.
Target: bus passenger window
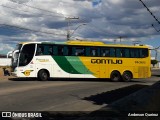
{"x": 118, "y": 52}
{"x": 136, "y": 53}
{"x": 55, "y": 50}
{"x": 143, "y": 53}
{"x": 113, "y": 52}
{"x": 105, "y": 52}
{"x": 94, "y": 52}
{"x": 50, "y": 51}
{"x": 123, "y": 53}
{"x": 60, "y": 50}
{"x": 79, "y": 51}
{"x": 132, "y": 53}
{"x": 69, "y": 50}
{"x": 40, "y": 50}
{"x": 126, "y": 53}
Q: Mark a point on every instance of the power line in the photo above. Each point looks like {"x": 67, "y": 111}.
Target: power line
{"x": 95, "y": 28}
{"x": 150, "y": 11}
{"x": 24, "y": 28}
{"x": 155, "y": 28}
{"x": 19, "y": 27}
{"x": 60, "y": 14}
{"x": 28, "y": 29}
{"x": 68, "y": 30}
{"x": 100, "y": 30}
{"x": 22, "y": 10}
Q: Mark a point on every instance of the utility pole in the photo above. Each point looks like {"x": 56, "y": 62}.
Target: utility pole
{"x": 156, "y": 50}
{"x": 68, "y": 29}
{"x": 120, "y": 37}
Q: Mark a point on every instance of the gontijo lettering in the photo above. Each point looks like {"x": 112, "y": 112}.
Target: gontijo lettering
{"x": 106, "y": 61}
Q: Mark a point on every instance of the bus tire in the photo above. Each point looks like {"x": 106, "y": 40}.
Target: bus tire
{"x": 115, "y": 76}
{"x": 127, "y": 76}
{"x": 43, "y": 75}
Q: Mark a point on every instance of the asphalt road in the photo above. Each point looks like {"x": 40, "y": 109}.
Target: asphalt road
{"x": 66, "y": 95}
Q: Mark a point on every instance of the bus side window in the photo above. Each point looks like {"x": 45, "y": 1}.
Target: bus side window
{"x": 123, "y": 53}
{"x": 112, "y": 52}
{"x": 87, "y": 51}
{"x": 65, "y": 50}
{"x": 55, "y": 50}
{"x": 126, "y": 53}
{"x": 105, "y": 52}
{"x": 118, "y": 52}
{"x": 69, "y": 50}
{"x": 93, "y": 52}
{"x": 132, "y": 53}
{"x": 40, "y": 50}
{"x": 136, "y": 53}
{"x": 50, "y": 50}
{"x": 60, "y": 50}
{"x": 78, "y": 51}
{"x": 143, "y": 53}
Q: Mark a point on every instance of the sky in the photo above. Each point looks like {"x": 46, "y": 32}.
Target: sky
{"x": 99, "y": 20}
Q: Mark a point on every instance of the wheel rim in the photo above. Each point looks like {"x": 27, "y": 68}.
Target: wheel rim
{"x": 44, "y": 76}
{"x": 127, "y": 76}
{"x": 115, "y": 77}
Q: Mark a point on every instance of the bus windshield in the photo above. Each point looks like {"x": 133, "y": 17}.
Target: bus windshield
{"x": 26, "y": 54}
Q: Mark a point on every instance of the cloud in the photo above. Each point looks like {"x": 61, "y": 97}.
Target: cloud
{"x": 5, "y": 47}
{"x": 105, "y": 22}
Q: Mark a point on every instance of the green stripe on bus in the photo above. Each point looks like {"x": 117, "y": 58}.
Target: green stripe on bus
{"x": 78, "y": 65}
{"x": 65, "y": 65}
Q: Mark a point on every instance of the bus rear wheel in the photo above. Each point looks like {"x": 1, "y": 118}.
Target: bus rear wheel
{"x": 43, "y": 75}
{"x": 115, "y": 76}
{"x": 127, "y": 76}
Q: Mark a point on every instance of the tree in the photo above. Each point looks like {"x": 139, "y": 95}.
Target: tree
{"x": 154, "y": 62}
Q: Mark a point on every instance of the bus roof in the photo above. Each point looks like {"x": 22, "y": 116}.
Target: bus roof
{"x": 87, "y": 43}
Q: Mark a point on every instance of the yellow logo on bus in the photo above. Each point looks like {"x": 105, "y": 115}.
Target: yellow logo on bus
{"x": 27, "y": 72}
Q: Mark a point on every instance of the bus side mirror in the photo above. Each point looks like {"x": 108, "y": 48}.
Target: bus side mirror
{"x": 9, "y": 54}
{"x": 14, "y": 53}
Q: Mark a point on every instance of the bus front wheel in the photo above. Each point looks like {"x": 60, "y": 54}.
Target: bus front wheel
{"x": 115, "y": 76}
{"x": 127, "y": 76}
{"x": 43, "y": 75}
